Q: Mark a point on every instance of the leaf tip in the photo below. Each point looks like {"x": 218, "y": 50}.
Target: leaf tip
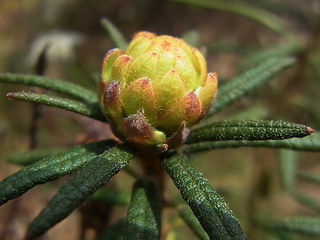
{"x": 10, "y": 95}
{"x": 310, "y": 130}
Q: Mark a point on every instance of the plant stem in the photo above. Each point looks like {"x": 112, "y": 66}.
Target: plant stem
{"x": 151, "y": 167}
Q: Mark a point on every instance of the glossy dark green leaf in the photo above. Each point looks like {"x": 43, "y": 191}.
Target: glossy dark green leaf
{"x": 212, "y": 211}
{"x": 53, "y": 84}
{"x": 114, "y": 232}
{"x": 242, "y": 85}
{"x": 91, "y": 176}
{"x": 190, "y": 219}
{"x": 29, "y": 157}
{"x": 248, "y": 130}
{"x": 260, "y": 15}
{"x": 92, "y": 111}
{"x": 114, "y": 33}
{"x": 143, "y": 219}
{"x": 49, "y": 169}
{"x": 306, "y": 200}
{"x": 287, "y": 164}
{"x": 310, "y": 176}
{"x": 309, "y": 225}
{"x": 309, "y": 143}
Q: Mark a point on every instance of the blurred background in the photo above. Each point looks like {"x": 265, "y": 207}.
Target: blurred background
{"x": 233, "y": 35}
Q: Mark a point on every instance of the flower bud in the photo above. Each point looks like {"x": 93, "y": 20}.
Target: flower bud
{"x": 153, "y": 91}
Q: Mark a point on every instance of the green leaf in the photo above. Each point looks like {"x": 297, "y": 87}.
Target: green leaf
{"x": 282, "y": 49}
{"x": 260, "y": 15}
{"x": 143, "y": 219}
{"x": 307, "y": 200}
{"x": 92, "y": 111}
{"x": 49, "y": 169}
{"x": 111, "y": 196}
{"x": 114, "y": 232}
{"x": 191, "y": 37}
{"x": 29, "y": 157}
{"x": 187, "y": 215}
{"x": 248, "y": 130}
{"x": 91, "y": 176}
{"x": 242, "y": 85}
{"x": 115, "y": 35}
{"x": 309, "y": 143}
{"x": 53, "y": 84}
{"x": 309, "y": 225}
{"x": 311, "y": 176}
{"x": 211, "y": 210}
{"x": 223, "y": 47}
{"x": 287, "y": 162}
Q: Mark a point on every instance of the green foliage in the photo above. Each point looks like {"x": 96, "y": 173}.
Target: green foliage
{"x": 190, "y": 219}
{"x": 115, "y": 35}
{"x": 143, "y": 220}
{"x": 309, "y": 225}
{"x": 287, "y": 164}
{"x": 242, "y": 85}
{"x": 211, "y": 210}
{"x": 49, "y": 169}
{"x": 247, "y": 130}
{"x": 90, "y": 177}
{"x": 266, "y": 18}
{"x": 309, "y": 143}
{"x": 56, "y": 85}
{"x": 92, "y": 110}
{"x": 27, "y": 158}
{"x": 209, "y": 216}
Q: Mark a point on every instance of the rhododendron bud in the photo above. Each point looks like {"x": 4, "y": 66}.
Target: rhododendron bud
{"x": 153, "y": 91}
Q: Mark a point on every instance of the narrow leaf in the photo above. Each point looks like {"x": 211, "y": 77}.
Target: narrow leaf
{"x": 93, "y": 175}
{"x": 114, "y": 232}
{"x": 92, "y": 111}
{"x": 311, "y": 176}
{"x": 242, "y": 85}
{"x": 248, "y": 130}
{"x": 307, "y": 200}
{"x": 115, "y": 35}
{"x": 287, "y": 163}
{"x": 29, "y": 157}
{"x": 187, "y": 215}
{"x": 53, "y": 84}
{"x": 211, "y": 210}
{"x": 260, "y": 15}
{"x": 111, "y": 196}
{"x": 143, "y": 219}
{"x": 282, "y": 49}
{"x": 309, "y": 225}
{"x": 49, "y": 169}
{"x": 309, "y": 143}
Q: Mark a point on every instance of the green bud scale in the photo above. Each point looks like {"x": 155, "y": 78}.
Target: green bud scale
{"x": 153, "y": 91}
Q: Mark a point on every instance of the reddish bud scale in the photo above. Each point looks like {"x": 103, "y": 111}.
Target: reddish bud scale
{"x": 154, "y": 90}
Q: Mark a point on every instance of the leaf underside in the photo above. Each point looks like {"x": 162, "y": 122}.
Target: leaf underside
{"x": 143, "y": 218}
{"x": 211, "y": 210}
{"x": 90, "y": 177}
{"x": 309, "y": 143}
